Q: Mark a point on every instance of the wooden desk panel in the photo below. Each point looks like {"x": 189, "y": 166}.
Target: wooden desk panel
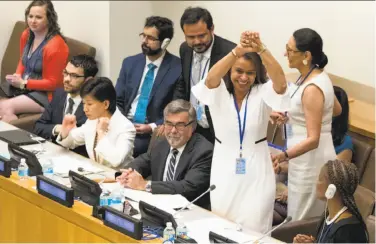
{"x": 22, "y": 221}
{"x": 26, "y": 216}
{"x": 362, "y": 118}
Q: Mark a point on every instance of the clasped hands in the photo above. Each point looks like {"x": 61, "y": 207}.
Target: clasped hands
{"x": 15, "y": 80}
{"x": 70, "y": 122}
{"x": 132, "y": 179}
{"x": 249, "y": 42}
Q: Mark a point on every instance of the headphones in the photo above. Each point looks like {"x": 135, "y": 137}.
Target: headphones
{"x": 329, "y": 194}
{"x": 165, "y": 43}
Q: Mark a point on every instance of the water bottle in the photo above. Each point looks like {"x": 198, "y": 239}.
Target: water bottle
{"x": 48, "y": 168}
{"x": 23, "y": 170}
{"x": 169, "y": 234}
{"x": 116, "y": 197}
{"x": 181, "y": 230}
{"x": 104, "y": 198}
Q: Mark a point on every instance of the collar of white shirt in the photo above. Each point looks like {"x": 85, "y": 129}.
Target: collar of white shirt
{"x": 77, "y": 99}
{"x": 180, "y": 149}
{"x": 157, "y": 62}
{"x": 207, "y": 53}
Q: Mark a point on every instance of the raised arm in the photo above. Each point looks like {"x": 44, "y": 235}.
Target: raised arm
{"x": 273, "y": 68}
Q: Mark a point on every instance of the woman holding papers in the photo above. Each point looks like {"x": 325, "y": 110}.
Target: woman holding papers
{"x": 240, "y": 107}
{"x": 309, "y": 138}
{"x": 107, "y": 134}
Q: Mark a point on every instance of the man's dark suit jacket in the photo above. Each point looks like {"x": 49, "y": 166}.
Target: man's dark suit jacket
{"x": 129, "y": 82}
{"x": 192, "y": 176}
{"x": 128, "y": 85}
{"x": 54, "y": 115}
{"x": 221, "y": 48}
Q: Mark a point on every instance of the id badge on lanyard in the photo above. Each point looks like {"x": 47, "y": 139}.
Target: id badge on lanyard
{"x": 240, "y": 162}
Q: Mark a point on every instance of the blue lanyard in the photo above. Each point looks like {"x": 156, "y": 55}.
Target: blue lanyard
{"x": 241, "y": 131}
{"x": 301, "y": 82}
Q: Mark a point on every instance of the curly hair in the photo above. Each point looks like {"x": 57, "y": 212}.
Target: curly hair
{"x": 53, "y": 26}
{"x": 344, "y": 176}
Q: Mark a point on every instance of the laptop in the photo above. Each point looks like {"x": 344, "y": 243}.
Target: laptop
{"x": 20, "y": 137}
{"x": 10, "y": 91}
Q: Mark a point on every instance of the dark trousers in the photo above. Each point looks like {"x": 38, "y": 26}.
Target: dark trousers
{"x": 205, "y": 132}
{"x": 141, "y": 144}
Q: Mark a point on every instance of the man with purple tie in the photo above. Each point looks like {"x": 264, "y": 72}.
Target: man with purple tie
{"x": 147, "y": 80}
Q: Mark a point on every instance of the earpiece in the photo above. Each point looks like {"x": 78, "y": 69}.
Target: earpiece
{"x": 165, "y": 43}
{"x": 329, "y": 194}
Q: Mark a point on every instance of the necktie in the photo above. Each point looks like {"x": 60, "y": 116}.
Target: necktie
{"x": 196, "y": 73}
{"x": 171, "y": 165}
{"x": 70, "y": 106}
{"x": 140, "y": 114}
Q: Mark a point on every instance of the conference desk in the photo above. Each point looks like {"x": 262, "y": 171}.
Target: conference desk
{"x": 26, "y": 216}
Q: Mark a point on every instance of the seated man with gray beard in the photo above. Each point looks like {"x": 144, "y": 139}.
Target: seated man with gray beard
{"x": 180, "y": 163}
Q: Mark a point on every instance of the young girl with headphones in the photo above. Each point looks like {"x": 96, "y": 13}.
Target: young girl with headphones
{"x": 342, "y": 221}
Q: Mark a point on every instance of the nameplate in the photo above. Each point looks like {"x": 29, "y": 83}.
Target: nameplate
{"x": 5, "y": 167}
{"x": 121, "y": 222}
{"x": 55, "y": 191}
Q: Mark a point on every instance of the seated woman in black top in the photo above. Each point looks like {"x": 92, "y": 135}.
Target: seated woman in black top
{"x": 343, "y": 223}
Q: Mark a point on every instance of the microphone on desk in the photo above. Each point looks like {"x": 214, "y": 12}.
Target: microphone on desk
{"x": 288, "y": 219}
{"x": 211, "y": 188}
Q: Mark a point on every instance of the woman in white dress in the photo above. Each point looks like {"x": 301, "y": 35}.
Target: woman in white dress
{"x": 242, "y": 169}
{"x": 308, "y": 130}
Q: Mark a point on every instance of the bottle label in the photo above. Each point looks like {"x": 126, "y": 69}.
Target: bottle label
{"x": 103, "y": 202}
{"x": 168, "y": 239}
{"x": 21, "y": 172}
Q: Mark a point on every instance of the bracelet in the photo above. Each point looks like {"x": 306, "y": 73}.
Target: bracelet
{"x": 234, "y": 53}
{"x": 263, "y": 50}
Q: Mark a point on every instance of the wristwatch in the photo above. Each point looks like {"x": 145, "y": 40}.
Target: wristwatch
{"x": 23, "y": 84}
{"x": 148, "y": 186}
{"x": 286, "y": 155}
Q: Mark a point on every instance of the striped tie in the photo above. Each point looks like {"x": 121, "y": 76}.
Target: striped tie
{"x": 171, "y": 165}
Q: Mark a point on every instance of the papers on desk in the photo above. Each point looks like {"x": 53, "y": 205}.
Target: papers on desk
{"x": 199, "y": 230}
{"x": 63, "y": 164}
{"x": 162, "y": 201}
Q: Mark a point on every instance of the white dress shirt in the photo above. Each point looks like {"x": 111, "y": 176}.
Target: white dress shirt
{"x": 114, "y": 150}
{"x": 157, "y": 63}
{"x": 204, "y": 70}
{"x": 77, "y": 101}
{"x": 180, "y": 149}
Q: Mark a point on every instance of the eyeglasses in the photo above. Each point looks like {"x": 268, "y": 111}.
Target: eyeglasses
{"x": 289, "y": 50}
{"x": 147, "y": 37}
{"x": 178, "y": 126}
{"x": 72, "y": 75}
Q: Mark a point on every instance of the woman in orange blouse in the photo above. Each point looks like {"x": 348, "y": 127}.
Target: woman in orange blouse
{"x": 44, "y": 55}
